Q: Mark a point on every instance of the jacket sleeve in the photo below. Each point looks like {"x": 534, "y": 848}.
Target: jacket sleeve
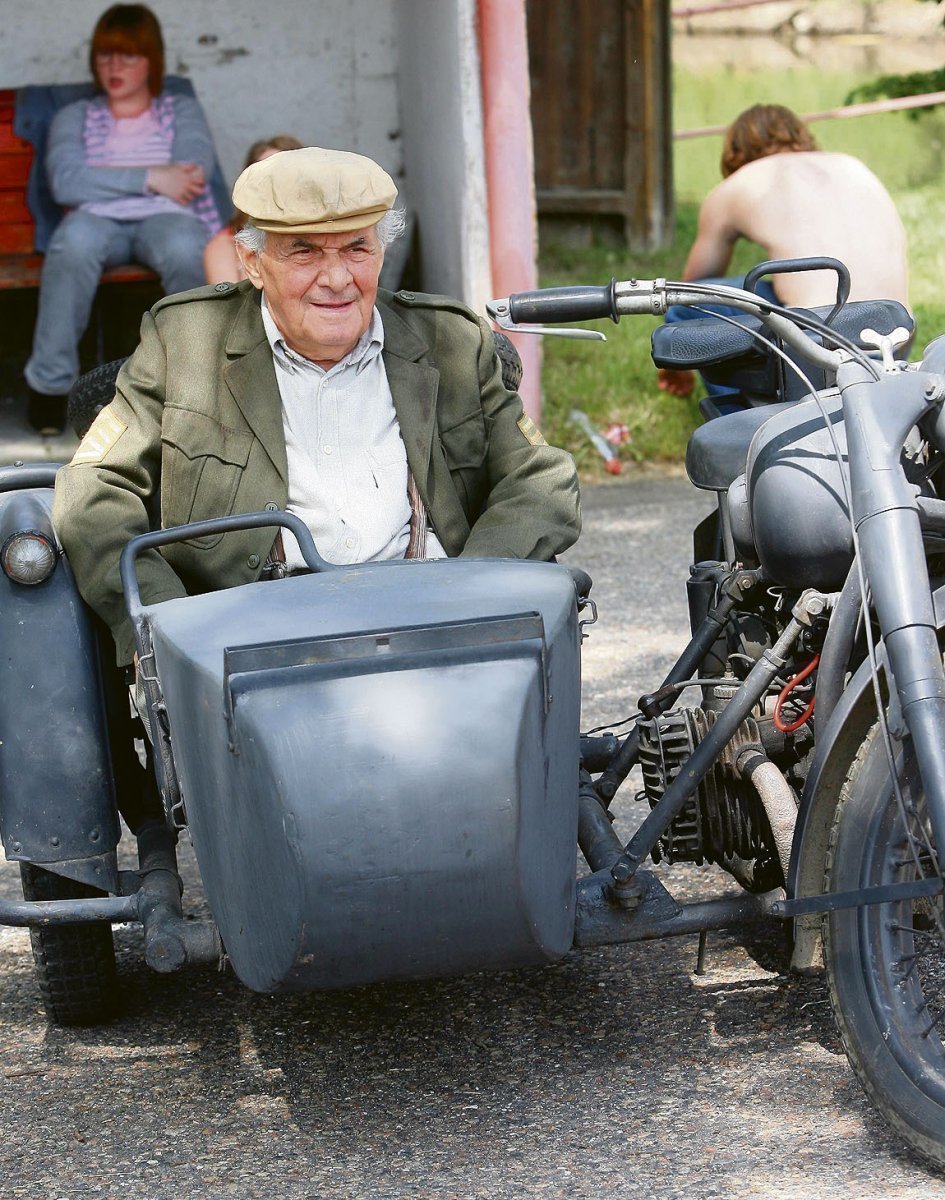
{"x": 532, "y": 509}
{"x": 193, "y": 142}
{"x": 103, "y": 497}
{"x": 71, "y": 181}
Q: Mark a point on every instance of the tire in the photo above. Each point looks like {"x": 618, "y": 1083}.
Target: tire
{"x": 511, "y": 363}
{"x": 886, "y": 962}
{"x": 74, "y": 964}
{"x": 90, "y": 393}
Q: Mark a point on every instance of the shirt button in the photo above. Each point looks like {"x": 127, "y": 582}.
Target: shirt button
{"x": 253, "y": 561}
{"x": 349, "y": 542}
{"x": 272, "y": 506}
{"x": 326, "y": 449}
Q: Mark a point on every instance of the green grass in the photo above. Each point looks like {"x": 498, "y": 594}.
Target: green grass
{"x": 616, "y": 382}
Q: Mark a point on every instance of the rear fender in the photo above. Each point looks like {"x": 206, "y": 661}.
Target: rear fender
{"x": 57, "y": 793}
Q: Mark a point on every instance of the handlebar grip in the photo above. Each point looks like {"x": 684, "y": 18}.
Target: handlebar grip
{"x": 550, "y": 306}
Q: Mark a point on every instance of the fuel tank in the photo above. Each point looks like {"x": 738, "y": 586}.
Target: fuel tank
{"x": 788, "y": 511}
{"x": 379, "y": 766}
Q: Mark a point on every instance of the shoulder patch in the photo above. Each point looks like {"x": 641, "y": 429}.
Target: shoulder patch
{"x": 430, "y": 300}
{"x": 530, "y": 431}
{"x": 103, "y": 433}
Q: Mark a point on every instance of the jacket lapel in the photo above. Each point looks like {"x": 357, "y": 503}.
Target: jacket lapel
{"x": 251, "y": 378}
{"x": 413, "y": 386}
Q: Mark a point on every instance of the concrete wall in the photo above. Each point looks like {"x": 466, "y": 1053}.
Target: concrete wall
{"x": 441, "y": 107}
{"x": 325, "y": 70}
{"x": 395, "y": 79}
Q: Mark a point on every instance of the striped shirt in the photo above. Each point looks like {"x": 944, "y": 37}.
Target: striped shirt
{"x": 143, "y": 141}
{"x": 347, "y": 461}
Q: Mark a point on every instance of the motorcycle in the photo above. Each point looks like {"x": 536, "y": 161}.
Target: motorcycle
{"x": 321, "y": 737}
{"x": 810, "y": 764}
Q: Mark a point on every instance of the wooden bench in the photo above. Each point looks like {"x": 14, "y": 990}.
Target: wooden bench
{"x": 20, "y": 265}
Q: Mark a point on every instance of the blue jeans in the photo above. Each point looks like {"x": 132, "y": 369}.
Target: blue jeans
{"x": 82, "y": 247}
{"x": 677, "y": 313}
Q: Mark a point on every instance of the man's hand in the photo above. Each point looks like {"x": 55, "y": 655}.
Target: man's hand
{"x": 678, "y": 383}
{"x": 181, "y": 182}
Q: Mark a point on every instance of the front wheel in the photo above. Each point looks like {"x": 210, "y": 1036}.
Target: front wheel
{"x": 886, "y": 962}
{"x": 75, "y": 964}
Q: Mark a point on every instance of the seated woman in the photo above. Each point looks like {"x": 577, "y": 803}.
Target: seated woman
{"x": 220, "y": 260}
{"x": 132, "y": 165}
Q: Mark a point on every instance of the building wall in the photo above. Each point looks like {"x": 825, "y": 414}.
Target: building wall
{"x": 394, "y": 79}
{"x": 325, "y": 70}
{"x": 443, "y": 147}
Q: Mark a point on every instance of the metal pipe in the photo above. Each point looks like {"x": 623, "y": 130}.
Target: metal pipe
{"x": 596, "y": 837}
{"x": 777, "y": 796}
{"x": 699, "y": 646}
{"x": 703, "y": 757}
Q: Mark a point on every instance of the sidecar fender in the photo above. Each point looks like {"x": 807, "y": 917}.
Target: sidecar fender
{"x": 57, "y": 804}
{"x": 837, "y": 747}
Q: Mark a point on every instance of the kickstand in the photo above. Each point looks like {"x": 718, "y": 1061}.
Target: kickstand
{"x": 700, "y": 953}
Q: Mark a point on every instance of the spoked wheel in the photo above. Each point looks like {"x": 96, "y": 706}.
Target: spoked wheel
{"x": 886, "y": 962}
{"x": 75, "y": 964}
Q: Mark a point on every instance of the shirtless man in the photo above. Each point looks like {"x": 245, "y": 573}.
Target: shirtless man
{"x": 795, "y": 201}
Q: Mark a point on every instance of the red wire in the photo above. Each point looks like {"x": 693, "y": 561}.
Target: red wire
{"x": 785, "y": 692}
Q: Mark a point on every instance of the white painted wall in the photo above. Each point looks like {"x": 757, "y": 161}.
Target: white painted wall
{"x": 395, "y": 79}
{"x": 441, "y": 105}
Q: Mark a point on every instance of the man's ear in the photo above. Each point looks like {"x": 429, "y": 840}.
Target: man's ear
{"x": 249, "y": 261}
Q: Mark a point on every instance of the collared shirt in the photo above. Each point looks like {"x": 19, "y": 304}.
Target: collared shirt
{"x": 347, "y": 461}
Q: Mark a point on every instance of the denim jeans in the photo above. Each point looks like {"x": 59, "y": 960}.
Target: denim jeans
{"x": 677, "y": 313}
{"x": 82, "y": 247}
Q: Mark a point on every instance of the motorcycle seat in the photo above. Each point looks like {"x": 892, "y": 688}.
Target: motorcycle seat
{"x": 710, "y": 342}
{"x": 718, "y": 451}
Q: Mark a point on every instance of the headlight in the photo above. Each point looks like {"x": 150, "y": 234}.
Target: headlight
{"x": 28, "y": 557}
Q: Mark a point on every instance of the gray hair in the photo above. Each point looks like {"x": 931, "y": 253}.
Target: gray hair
{"x": 389, "y": 228}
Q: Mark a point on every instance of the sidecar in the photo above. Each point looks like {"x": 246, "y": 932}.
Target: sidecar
{"x": 377, "y": 765}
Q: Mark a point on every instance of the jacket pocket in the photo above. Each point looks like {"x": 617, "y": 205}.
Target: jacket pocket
{"x": 202, "y": 462}
{"x": 464, "y": 443}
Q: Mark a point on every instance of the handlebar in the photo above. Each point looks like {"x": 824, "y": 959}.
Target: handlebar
{"x": 178, "y": 533}
{"x": 652, "y": 297}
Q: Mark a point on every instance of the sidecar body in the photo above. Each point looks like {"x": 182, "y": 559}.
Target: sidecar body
{"x": 379, "y": 767}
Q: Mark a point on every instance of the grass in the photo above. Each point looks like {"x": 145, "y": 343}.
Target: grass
{"x": 616, "y": 383}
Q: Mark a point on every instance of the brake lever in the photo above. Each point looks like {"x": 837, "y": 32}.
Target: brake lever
{"x": 499, "y": 312}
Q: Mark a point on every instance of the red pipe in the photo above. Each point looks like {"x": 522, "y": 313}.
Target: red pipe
{"x": 510, "y": 176}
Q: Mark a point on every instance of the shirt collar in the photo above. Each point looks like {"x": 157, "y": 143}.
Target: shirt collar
{"x": 368, "y": 347}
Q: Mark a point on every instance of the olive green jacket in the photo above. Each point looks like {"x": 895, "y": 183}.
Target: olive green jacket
{"x": 195, "y": 431}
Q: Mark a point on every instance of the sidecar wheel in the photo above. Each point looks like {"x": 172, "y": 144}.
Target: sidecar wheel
{"x": 74, "y": 964}
{"x": 90, "y": 393}
{"x": 886, "y": 962}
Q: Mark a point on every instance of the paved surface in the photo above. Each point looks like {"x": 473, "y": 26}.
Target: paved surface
{"x": 616, "y": 1070}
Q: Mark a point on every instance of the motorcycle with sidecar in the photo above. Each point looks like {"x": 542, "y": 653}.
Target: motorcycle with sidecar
{"x": 380, "y": 766}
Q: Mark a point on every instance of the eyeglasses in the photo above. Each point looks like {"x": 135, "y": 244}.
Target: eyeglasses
{"x": 124, "y": 60}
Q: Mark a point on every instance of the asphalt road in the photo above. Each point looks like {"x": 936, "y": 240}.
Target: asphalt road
{"x": 616, "y": 1070}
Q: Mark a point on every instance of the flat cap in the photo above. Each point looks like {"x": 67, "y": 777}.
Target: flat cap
{"x": 314, "y": 191}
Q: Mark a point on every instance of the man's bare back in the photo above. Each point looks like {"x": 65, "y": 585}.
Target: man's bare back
{"x": 796, "y": 201}
{"x": 798, "y": 204}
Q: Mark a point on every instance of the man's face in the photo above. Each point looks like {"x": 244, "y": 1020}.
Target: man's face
{"x": 320, "y": 288}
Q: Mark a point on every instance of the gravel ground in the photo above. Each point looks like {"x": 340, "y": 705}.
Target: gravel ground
{"x": 616, "y": 1069}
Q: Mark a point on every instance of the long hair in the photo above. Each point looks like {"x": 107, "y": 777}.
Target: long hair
{"x": 761, "y": 130}
{"x": 130, "y": 29}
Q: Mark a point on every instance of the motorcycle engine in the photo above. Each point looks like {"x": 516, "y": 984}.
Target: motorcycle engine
{"x": 724, "y": 821}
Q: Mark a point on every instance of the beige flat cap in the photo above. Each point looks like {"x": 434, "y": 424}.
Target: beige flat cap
{"x": 314, "y": 191}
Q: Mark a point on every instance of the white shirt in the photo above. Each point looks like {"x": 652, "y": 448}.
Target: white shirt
{"x": 347, "y": 461}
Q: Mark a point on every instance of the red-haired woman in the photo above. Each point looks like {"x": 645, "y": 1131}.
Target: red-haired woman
{"x": 132, "y": 165}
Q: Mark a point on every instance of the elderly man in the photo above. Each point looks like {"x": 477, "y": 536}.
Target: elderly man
{"x": 380, "y": 419}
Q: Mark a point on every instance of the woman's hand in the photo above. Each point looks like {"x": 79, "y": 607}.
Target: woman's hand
{"x": 181, "y": 182}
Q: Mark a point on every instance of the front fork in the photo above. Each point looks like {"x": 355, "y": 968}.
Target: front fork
{"x": 891, "y": 550}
